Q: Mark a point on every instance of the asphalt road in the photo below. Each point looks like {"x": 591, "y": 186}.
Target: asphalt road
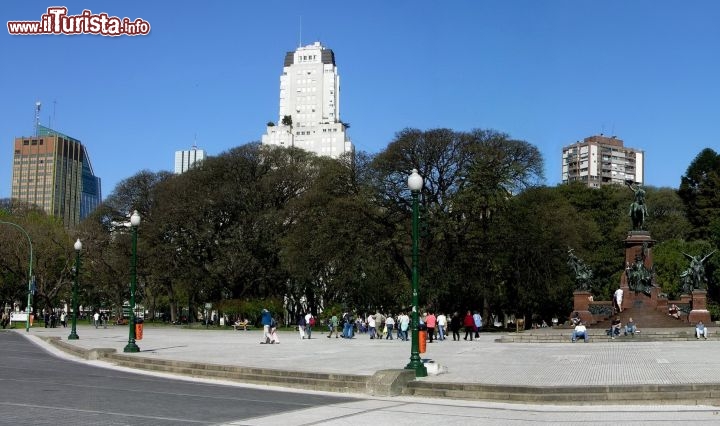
{"x": 38, "y": 388}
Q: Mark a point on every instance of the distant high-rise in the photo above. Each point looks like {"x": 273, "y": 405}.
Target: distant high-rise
{"x": 53, "y": 171}
{"x": 184, "y": 160}
{"x": 601, "y": 160}
{"x": 310, "y": 104}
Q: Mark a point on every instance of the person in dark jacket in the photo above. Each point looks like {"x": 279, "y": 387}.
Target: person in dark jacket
{"x": 455, "y": 324}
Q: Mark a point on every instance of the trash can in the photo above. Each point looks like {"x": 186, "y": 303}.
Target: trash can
{"x": 138, "y": 328}
{"x": 422, "y": 337}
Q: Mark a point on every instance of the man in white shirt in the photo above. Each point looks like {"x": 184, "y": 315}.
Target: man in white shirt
{"x": 441, "y": 324}
{"x": 618, "y": 298}
{"x": 580, "y": 331}
{"x": 371, "y": 326}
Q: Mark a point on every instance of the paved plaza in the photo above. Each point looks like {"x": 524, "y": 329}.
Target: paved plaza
{"x": 618, "y": 362}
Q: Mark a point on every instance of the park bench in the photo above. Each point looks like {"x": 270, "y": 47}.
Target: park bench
{"x": 242, "y": 326}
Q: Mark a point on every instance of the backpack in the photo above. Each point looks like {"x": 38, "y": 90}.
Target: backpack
{"x": 312, "y": 321}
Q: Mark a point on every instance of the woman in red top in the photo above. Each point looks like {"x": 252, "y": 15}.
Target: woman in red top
{"x": 430, "y": 323}
{"x": 469, "y": 324}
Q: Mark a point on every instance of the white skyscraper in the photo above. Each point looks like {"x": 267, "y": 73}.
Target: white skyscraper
{"x": 310, "y": 104}
{"x": 184, "y": 160}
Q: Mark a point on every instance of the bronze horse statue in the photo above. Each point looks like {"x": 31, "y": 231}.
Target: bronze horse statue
{"x": 637, "y": 215}
{"x": 638, "y": 209}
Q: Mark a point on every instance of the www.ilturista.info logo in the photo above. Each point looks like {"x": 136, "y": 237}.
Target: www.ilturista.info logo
{"x": 57, "y": 21}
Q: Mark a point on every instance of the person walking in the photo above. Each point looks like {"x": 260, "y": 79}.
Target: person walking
{"x": 347, "y": 326}
{"x": 309, "y": 323}
{"x": 441, "y": 326}
{"x": 618, "y": 299}
{"x": 333, "y": 326}
{"x": 477, "y": 319}
{"x": 404, "y": 325}
{"x": 389, "y": 323}
{"x": 371, "y": 326}
{"x": 301, "y": 326}
{"x": 272, "y": 335}
{"x": 469, "y": 324}
{"x": 379, "y": 324}
{"x": 96, "y": 318}
{"x": 266, "y": 320}
{"x": 430, "y": 323}
{"x": 455, "y": 324}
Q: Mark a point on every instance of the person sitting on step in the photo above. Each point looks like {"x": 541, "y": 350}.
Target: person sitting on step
{"x": 630, "y": 328}
{"x": 580, "y": 331}
{"x": 701, "y": 330}
{"x": 615, "y": 327}
{"x": 673, "y": 311}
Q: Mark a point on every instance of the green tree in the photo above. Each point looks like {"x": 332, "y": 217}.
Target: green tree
{"x": 52, "y": 258}
{"x": 469, "y": 176}
{"x": 700, "y": 191}
{"x": 533, "y": 254}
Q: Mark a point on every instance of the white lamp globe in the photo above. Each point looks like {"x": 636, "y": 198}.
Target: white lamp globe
{"x": 415, "y": 181}
{"x": 135, "y": 218}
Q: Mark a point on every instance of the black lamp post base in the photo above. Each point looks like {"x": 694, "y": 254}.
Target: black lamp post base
{"x": 73, "y": 336}
{"x": 419, "y": 367}
{"x": 131, "y": 347}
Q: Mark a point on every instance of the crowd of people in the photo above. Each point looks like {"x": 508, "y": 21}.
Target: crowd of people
{"x": 437, "y": 326}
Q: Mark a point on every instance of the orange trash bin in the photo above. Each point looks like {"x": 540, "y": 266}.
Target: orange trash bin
{"x": 138, "y": 331}
{"x": 422, "y": 337}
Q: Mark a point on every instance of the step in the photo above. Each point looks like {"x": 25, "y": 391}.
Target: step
{"x": 315, "y": 381}
{"x": 622, "y": 394}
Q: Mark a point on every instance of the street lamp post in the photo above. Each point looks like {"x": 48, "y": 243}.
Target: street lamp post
{"x": 31, "y": 278}
{"x": 134, "y": 222}
{"x": 415, "y": 183}
{"x": 73, "y": 331}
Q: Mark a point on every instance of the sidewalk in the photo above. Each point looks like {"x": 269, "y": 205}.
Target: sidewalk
{"x": 480, "y": 362}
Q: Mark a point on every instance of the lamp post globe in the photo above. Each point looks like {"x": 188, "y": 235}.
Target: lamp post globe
{"x": 135, "y": 219}
{"x": 415, "y": 183}
{"x": 73, "y": 330}
{"x": 134, "y": 223}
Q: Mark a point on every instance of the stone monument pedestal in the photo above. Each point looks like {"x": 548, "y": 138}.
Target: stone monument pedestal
{"x": 699, "y": 308}
{"x": 581, "y": 305}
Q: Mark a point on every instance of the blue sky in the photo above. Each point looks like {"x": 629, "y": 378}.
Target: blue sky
{"x": 548, "y": 72}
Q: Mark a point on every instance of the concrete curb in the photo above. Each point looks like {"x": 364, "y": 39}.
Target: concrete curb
{"x": 383, "y": 383}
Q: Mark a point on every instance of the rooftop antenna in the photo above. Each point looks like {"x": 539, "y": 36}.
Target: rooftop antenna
{"x": 53, "y": 116}
{"x": 38, "y": 104}
{"x": 300, "y": 36}
{"x": 194, "y": 146}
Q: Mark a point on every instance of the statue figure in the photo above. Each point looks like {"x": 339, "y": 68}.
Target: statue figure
{"x": 583, "y": 274}
{"x": 638, "y": 208}
{"x": 639, "y": 277}
{"x": 694, "y": 276}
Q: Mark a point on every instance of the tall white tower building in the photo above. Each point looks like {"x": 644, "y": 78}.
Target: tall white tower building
{"x": 184, "y": 160}
{"x": 310, "y": 104}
